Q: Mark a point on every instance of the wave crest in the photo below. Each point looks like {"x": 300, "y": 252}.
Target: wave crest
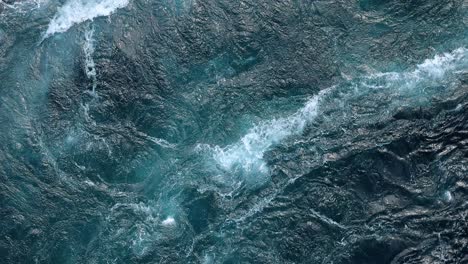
{"x": 77, "y": 11}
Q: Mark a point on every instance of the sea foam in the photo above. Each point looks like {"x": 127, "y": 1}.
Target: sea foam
{"x": 90, "y": 66}
{"x": 429, "y": 70}
{"x": 169, "y": 221}
{"x": 77, "y": 11}
{"x": 246, "y": 155}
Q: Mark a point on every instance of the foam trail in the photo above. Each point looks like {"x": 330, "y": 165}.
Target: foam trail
{"x": 434, "y": 69}
{"x": 90, "y": 66}
{"x": 246, "y": 155}
{"x": 440, "y": 65}
{"x": 77, "y": 11}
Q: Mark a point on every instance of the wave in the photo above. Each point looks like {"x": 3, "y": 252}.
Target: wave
{"x": 433, "y": 69}
{"x": 246, "y": 155}
{"x": 77, "y": 11}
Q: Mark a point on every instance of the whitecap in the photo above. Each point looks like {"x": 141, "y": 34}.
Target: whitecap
{"x": 90, "y": 66}
{"x": 169, "y": 221}
{"x": 77, "y": 11}
{"x": 429, "y": 70}
{"x": 245, "y": 156}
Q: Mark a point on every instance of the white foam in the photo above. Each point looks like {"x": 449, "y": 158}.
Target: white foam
{"x": 441, "y": 64}
{"x": 90, "y": 66}
{"x": 169, "y": 221}
{"x": 246, "y": 156}
{"x": 77, "y": 11}
{"x": 430, "y": 70}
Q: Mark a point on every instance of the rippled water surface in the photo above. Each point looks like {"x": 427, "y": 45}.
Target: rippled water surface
{"x": 195, "y": 131}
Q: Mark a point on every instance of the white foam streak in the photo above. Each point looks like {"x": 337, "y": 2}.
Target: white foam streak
{"x": 430, "y": 70}
{"x": 246, "y": 156}
{"x": 90, "y": 66}
{"x": 77, "y": 11}
{"x": 440, "y": 64}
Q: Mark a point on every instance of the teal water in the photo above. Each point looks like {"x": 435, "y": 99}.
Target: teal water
{"x": 233, "y": 132}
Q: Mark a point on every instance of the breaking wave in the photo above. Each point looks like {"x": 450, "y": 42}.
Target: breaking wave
{"x": 76, "y": 12}
{"x": 246, "y": 155}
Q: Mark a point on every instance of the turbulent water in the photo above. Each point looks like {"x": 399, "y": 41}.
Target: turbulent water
{"x": 197, "y": 131}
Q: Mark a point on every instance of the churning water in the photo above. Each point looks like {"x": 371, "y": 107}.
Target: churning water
{"x": 154, "y": 131}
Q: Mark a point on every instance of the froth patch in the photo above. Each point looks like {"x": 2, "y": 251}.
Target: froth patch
{"x": 169, "y": 221}
{"x": 245, "y": 157}
{"x": 77, "y": 11}
{"x": 430, "y": 70}
{"x": 438, "y": 66}
{"x": 90, "y": 66}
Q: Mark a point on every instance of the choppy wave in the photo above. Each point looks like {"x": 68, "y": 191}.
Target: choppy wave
{"x": 430, "y": 70}
{"x": 246, "y": 155}
{"x": 370, "y": 170}
{"x": 75, "y": 12}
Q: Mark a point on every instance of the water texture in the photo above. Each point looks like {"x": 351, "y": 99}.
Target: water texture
{"x": 154, "y": 131}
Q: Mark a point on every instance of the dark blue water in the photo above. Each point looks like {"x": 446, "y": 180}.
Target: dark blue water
{"x": 189, "y": 131}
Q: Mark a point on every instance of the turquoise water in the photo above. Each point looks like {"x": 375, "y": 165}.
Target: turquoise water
{"x": 233, "y": 132}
